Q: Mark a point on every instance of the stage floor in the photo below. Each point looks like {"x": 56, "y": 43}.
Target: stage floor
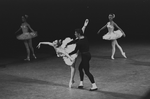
{"x": 48, "y": 77}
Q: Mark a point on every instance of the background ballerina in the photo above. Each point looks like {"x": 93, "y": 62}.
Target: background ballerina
{"x": 113, "y": 35}
{"x": 27, "y": 36}
{"x": 63, "y": 51}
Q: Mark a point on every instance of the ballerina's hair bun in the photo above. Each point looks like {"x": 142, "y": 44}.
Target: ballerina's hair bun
{"x": 113, "y": 15}
{"x": 26, "y": 16}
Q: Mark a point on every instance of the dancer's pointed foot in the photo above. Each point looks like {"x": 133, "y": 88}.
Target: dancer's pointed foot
{"x": 70, "y": 83}
{"x": 27, "y": 59}
{"x": 124, "y": 55}
{"x": 34, "y": 56}
{"x": 112, "y": 57}
{"x": 80, "y": 85}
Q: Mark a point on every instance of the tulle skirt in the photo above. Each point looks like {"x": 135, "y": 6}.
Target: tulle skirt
{"x": 113, "y": 35}
{"x": 64, "y": 48}
{"x": 68, "y": 61}
{"x": 27, "y": 35}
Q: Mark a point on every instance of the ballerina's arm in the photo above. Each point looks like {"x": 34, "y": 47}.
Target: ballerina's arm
{"x": 119, "y": 28}
{"x": 48, "y": 43}
{"x": 102, "y": 28}
{"x": 30, "y": 27}
{"x": 85, "y": 24}
{"x": 17, "y": 30}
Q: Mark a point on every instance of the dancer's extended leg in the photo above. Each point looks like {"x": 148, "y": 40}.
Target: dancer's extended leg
{"x": 121, "y": 50}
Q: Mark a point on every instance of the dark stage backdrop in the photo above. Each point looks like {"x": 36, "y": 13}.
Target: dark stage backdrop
{"x": 57, "y": 19}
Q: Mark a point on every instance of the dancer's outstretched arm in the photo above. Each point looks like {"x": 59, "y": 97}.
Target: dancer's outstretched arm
{"x": 56, "y": 49}
{"x": 48, "y": 43}
{"x": 18, "y": 30}
{"x": 85, "y": 24}
{"x": 102, "y": 28}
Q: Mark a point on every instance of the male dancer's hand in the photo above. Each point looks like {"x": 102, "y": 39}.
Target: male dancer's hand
{"x": 86, "y": 22}
{"x": 98, "y": 31}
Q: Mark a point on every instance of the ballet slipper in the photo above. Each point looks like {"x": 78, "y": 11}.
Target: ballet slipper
{"x": 124, "y": 55}
{"x": 70, "y": 83}
{"x": 34, "y": 56}
{"x": 93, "y": 89}
{"x": 80, "y": 87}
{"x": 112, "y": 57}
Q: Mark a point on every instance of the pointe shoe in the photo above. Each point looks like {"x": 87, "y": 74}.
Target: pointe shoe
{"x": 34, "y": 56}
{"x": 124, "y": 55}
{"x": 112, "y": 57}
{"x": 70, "y": 83}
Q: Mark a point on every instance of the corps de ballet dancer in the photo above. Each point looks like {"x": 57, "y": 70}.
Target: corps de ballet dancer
{"x": 82, "y": 47}
{"x": 27, "y": 36}
{"x": 113, "y": 35}
{"x": 63, "y": 51}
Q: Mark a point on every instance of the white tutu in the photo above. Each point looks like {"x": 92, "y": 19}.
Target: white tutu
{"x": 68, "y": 61}
{"x": 27, "y": 35}
{"x": 113, "y": 35}
{"x": 67, "y": 49}
{"x": 65, "y": 42}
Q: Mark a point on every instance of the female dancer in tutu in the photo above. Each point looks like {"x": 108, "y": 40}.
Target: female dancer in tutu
{"x": 62, "y": 50}
{"x": 27, "y": 37}
{"x": 113, "y": 35}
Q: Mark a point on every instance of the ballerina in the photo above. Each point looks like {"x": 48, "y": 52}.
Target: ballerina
{"x": 62, "y": 50}
{"x": 27, "y": 36}
{"x": 113, "y": 35}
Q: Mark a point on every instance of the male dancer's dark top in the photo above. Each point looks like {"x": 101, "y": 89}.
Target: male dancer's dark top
{"x": 82, "y": 45}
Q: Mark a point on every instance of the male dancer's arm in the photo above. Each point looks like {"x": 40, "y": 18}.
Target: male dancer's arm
{"x": 85, "y": 24}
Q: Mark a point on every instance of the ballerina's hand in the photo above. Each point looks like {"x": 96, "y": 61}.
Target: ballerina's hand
{"x": 38, "y": 45}
{"x": 98, "y": 32}
{"x": 124, "y": 34}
